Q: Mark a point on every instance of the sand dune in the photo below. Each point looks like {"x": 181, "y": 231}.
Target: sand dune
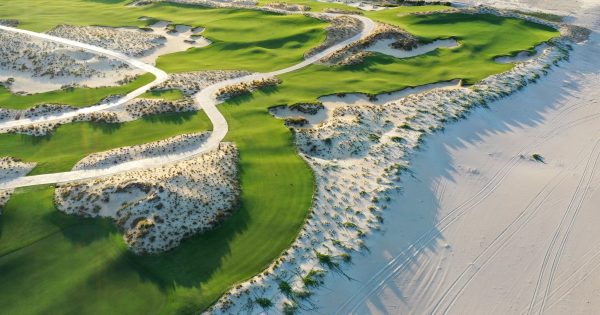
{"x": 484, "y": 228}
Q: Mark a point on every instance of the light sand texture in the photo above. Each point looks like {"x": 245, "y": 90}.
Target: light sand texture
{"x": 483, "y": 228}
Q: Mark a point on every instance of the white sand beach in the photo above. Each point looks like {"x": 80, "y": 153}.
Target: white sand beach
{"x": 481, "y": 227}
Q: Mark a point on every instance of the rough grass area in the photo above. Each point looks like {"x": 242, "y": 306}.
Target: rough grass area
{"x": 59, "y": 151}
{"x": 70, "y": 265}
{"x": 78, "y": 97}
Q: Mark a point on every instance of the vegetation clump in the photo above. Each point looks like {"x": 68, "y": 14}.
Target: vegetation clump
{"x": 245, "y": 88}
{"x": 537, "y": 157}
{"x": 9, "y": 22}
{"x": 264, "y": 303}
{"x": 310, "y": 108}
{"x": 296, "y": 121}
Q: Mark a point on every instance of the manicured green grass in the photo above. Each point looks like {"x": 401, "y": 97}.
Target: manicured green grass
{"x": 80, "y": 268}
{"x": 483, "y": 37}
{"x": 46, "y": 256}
{"x": 170, "y": 95}
{"x": 249, "y": 40}
{"x": 59, "y": 151}
{"x": 78, "y": 97}
{"x": 277, "y": 189}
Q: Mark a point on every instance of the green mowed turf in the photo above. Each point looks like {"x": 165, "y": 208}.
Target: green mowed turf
{"x": 46, "y": 256}
{"x": 78, "y": 97}
{"x": 241, "y": 40}
{"x": 472, "y": 61}
{"x": 59, "y": 151}
{"x": 482, "y": 37}
{"x": 276, "y": 191}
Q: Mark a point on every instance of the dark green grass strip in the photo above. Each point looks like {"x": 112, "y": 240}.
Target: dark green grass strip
{"x": 59, "y": 151}
{"x": 78, "y": 97}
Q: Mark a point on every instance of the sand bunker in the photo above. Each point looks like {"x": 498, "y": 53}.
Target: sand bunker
{"x": 181, "y": 38}
{"x": 524, "y": 55}
{"x": 157, "y": 208}
{"x": 131, "y": 42}
{"x": 209, "y": 3}
{"x": 328, "y": 104}
{"x": 355, "y": 53}
{"x": 33, "y": 112}
{"x": 12, "y": 168}
{"x": 287, "y": 6}
{"x": 385, "y": 46}
{"x": 141, "y": 107}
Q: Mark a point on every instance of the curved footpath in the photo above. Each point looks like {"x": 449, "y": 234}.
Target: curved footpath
{"x": 206, "y": 99}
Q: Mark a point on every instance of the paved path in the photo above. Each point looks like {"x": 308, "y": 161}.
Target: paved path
{"x": 205, "y": 99}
